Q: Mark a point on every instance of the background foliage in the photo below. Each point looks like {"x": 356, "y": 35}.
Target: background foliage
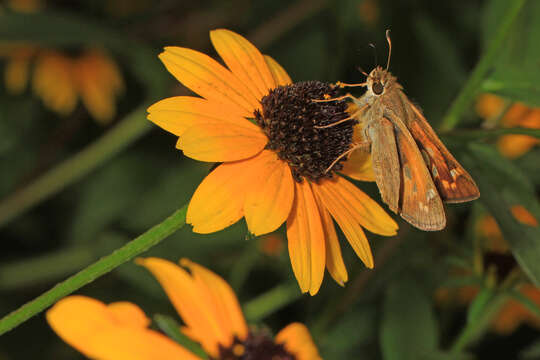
{"x": 102, "y": 198}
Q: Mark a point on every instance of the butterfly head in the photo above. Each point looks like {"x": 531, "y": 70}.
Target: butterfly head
{"x": 380, "y": 80}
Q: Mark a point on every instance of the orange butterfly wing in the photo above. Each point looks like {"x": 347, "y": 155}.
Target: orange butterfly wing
{"x": 453, "y": 182}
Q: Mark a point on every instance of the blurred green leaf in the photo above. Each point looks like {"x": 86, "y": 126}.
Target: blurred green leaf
{"x": 442, "y": 63}
{"x": 503, "y": 185}
{"x": 359, "y": 321}
{"x": 409, "y": 327}
{"x": 271, "y": 301}
{"x": 439, "y": 355}
{"x": 532, "y": 352}
{"x": 530, "y": 165}
{"x": 172, "y": 329}
{"x": 478, "y": 305}
{"x": 525, "y": 301}
{"x": 166, "y": 192}
{"x": 111, "y": 192}
{"x": 516, "y": 73}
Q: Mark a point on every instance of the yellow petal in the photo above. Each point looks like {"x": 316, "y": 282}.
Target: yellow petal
{"x": 523, "y": 215}
{"x": 99, "y": 83}
{"x": 77, "y": 318}
{"x": 218, "y": 142}
{"x": 128, "y": 314}
{"x": 107, "y": 332}
{"x": 177, "y": 114}
{"x": 194, "y": 306}
{"x": 53, "y": 82}
{"x": 366, "y": 210}
{"x": 514, "y": 146}
{"x": 16, "y": 75}
{"x": 209, "y": 79}
{"x": 306, "y": 239}
{"x": 334, "y": 259}
{"x": 219, "y": 200}
{"x": 137, "y": 344}
{"x": 278, "y": 72}
{"x": 244, "y": 61}
{"x": 227, "y": 308}
{"x": 359, "y": 167}
{"x": 346, "y": 218}
{"x": 269, "y": 197}
{"x": 297, "y": 340}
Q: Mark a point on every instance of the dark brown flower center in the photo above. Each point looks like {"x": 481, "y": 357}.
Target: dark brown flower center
{"x": 255, "y": 347}
{"x": 292, "y": 120}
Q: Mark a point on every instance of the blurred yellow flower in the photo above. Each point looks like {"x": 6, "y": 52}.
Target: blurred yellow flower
{"x": 27, "y": 6}
{"x": 369, "y": 12}
{"x": 60, "y": 80}
{"x": 512, "y": 313}
{"x": 518, "y": 115}
{"x": 205, "y": 302}
{"x": 269, "y": 135}
{"x": 272, "y": 244}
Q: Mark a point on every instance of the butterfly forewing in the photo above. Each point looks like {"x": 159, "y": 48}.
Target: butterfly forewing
{"x": 453, "y": 182}
{"x": 385, "y": 159}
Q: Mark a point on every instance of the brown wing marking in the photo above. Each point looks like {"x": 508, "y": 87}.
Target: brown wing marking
{"x": 453, "y": 182}
{"x": 421, "y": 204}
{"x": 385, "y": 160}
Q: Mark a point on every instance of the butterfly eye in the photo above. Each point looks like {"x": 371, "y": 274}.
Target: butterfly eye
{"x": 377, "y": 88}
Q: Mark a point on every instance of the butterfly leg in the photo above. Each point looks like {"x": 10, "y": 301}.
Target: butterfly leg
{"x": 329, "y": 99}
{"x": 363, "y": 146}
{"x": 342, "y": 84}
{"x": 352, "y": 117}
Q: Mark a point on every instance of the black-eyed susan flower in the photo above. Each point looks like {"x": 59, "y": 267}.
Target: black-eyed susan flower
{"x": 208, "y": 307}
{"x": 518, "y": 115}
{"x": 276, "y": 148}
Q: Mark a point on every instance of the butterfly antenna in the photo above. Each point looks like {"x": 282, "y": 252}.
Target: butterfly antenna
{"x": 374, "y": 53}
{"x": 362, "y": 71}
{"x": 389, "y": 48}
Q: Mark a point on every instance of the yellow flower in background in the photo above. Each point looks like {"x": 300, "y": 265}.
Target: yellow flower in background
{"x": 488, "y": 228}
{"x": 518, "y": 115}
{"x": 496, "y": 254}
{"x": 61, "y": 80}
{"x": 205, "y": 302}
{"x": 25, "y": 6}
{"x": 269, "y": 135}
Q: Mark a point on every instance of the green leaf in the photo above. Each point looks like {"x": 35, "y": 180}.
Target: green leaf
{"x": 409, "y": 328}
{"x": 503, "y": 185}
{"x": 531, "y": 352}
{"x": 439, "y": 355}
{"x": 515, "y": 74}
{"x": 359, "y": 321}
{"x": 271, "y": 301}
{"x": 110, "y": 193}
{"x": 478, "y": 306}
{"x": 527, "y": 302}
{"x": 172, "y": 329}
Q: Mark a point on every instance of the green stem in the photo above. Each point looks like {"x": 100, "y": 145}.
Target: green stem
{"x": 271, "y": 301}
{"x": 127, "y": 252}
{"x": 75, "y": 167}
{"x": 489, "y": 133}
{"x": 466, "y": 96}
